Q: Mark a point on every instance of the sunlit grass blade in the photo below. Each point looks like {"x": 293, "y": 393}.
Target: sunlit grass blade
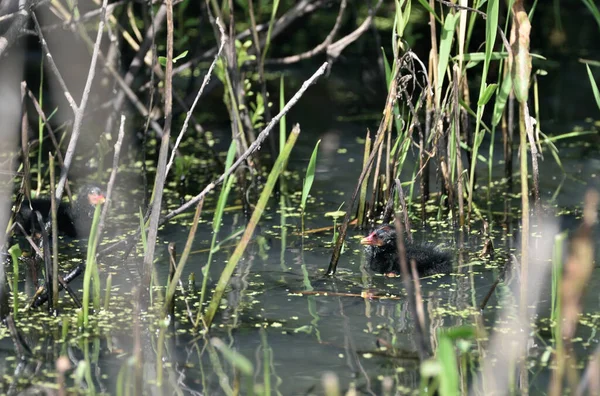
{"x": 594, "y": 86}
{"x": 426, "y": 5}
{"x": 216, "y": 225}
{"x": 310, "y": 176}
{"x": 444, "y": 56}
{"x": 256, "y": 215}
{"x": 591, "y": 5}
{"x": 91, "y": 270}
{"x": 487, "y": 94}
{"x": 501, "y": 99}
{"x": 282, "y": 123}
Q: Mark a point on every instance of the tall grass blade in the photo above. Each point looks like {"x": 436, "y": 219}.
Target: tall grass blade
{"x": 216, "y": 225}
{"x": 501, "y": 99}
{"x": 591, "y": 5}
{"x": 270, "y": 30}
{"x": 491, "y": 28}
{"x": 487, "y": 94}
{"x": 182, "y": 261}
{"x": 310, "y": 176}
{"x": 594, "y": 86}
{"x": 91, "y": 270}
{"x": 449, "y": 379}
{"x": 430, "y": 10}
{"x": 444, "y": 56}
{"x": 282, "y": 123}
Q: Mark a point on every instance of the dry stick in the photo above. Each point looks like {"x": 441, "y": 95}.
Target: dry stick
{"x": 39, "y": 298}
{"x": 524, "y": 211}
{"x": 27, "y": 237}
{"x": 24, "y": 142}
{"x": 161, "y": 167}
{"x": 52, "y": 65}
{"x": 404, "y": 210}
{"x": 170, "y": 305}
{"x": 54, "y": 218}
{"x": 319, "y": 48}
{"x": 178, "y": 270}
{"x": 459, "y": 166}
{"x": 334, "y": 50}
{"x": 376, "y": 178}
{"x": 535, "y": 169}
{"x": 46, "y": 256}
{"x": 198, "y": 95}
{"x": 111, "y": 179}
{"x": 417, "y": 293}
{"x": 78, "y": 111}
{"x": 410, "y": 291}
{"x": 63, "y": 283}
{"x": 384, "y": 124}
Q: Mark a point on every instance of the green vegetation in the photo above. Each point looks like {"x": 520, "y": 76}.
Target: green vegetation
{"x": 437, "y": 92}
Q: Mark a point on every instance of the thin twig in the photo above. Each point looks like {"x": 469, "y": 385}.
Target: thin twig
{"x": 410, "y": 291}
{"x": 161, "y": 167}
{"x": 52, "y": 64}
{"x": 111, "y": 180}
{"x": 319, "y": 48}
{"x": 334, "y": 50}
{"x": 200, "y": 91}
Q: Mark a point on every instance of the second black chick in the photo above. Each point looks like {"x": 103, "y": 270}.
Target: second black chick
{"x": 382, "y": 254}
{"x": 74, "y": 219}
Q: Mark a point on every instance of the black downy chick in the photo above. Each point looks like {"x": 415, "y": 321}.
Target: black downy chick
{"x": 382, "y": 254}
{"x": 74, "y": 219}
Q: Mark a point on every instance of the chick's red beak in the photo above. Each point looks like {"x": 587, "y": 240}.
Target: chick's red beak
{"x": 372, "y": 240}
{"x": 96, "y": 199}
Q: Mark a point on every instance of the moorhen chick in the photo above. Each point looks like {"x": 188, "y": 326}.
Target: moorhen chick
{"x": 382, "y": 254}
{"x": 74, "y": 219}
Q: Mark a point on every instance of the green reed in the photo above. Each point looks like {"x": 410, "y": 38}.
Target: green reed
{"x": 256, "y": 215}
{"x": 91, "y": 271}
{"x": 15, "y": 253}
{"x": 309, "y": 178}
{"x": 216, "y": 226}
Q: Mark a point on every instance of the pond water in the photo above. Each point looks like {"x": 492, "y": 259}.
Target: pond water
{"x": 282, "y": 314}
